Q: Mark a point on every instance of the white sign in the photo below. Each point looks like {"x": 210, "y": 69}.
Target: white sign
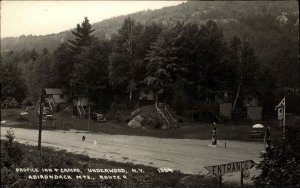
{"x": 229, "y": 167}
{"x": 280, "y": 111}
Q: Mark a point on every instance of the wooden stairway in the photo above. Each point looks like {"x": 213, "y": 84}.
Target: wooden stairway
{"x": 51, "y": 104}
{"x": 82, "y": 110}
{"x": 170, "y": 117}
{"x": 78, "y": 108}
{"x": 165, "y": 117}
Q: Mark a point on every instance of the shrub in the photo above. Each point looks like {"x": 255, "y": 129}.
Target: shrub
{"x": 281, "y": 164}
{"x": 11, "y": 153}
{"x": 27, "y": 102}
{"x": 10, "y": 135}
{"x": 10, "y": 102}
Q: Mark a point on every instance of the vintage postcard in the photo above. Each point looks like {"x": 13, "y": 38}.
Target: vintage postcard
{"x": 150, "y": 94}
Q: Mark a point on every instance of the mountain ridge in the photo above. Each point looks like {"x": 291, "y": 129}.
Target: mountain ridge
{"x": 195, "y": 12}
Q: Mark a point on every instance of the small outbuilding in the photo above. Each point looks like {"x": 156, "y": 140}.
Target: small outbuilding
{"x": 254, "y": 110}
{"x": 147, "y": 94}
{"x": 224, "y": 98}
{"x": 56, "y": 95}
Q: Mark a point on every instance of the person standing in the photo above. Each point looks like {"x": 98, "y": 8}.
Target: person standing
{"x": 268, "y": 138}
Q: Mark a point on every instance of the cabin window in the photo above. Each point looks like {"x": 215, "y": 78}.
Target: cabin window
{"x": 146, "y": 91}
{"x": 61, "y": 96}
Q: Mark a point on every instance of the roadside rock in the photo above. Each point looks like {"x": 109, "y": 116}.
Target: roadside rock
{"x": 136, "y": 122}
{"x": 134, "y": 113}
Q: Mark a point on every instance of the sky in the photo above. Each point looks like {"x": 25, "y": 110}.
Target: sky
{"x": 46, "y": 17}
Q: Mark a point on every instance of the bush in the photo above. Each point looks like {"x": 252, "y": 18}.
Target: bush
{"x": 27, "y": 102}
{"x": 281, "y": 164}
{"x": 10, "y": 135}
{"x": 10, "y": 103}
{"x": 11, "y": 153}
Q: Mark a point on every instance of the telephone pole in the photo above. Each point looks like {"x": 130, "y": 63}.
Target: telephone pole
{"x": 89, "y": 118}
{"x": 0, "y": 102}
{"x": 298, "y": 75}
{"x": 41, "y": 119}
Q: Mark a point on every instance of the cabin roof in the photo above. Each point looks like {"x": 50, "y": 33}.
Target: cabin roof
{"x": 53, "y": 91}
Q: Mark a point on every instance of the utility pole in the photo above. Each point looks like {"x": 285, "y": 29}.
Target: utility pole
{"x": 284, "y": 125}
{"x": 41, "y": 119}
{"x": 89, "y": 118}
{"x": 63, "y": 114}
{"x": 0, "y": 102}
{"x": 299, "y": 72}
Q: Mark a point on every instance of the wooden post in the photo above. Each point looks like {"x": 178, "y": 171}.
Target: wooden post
{"x": 63, "y": 113}
{"x": 242, "y": 177}
{"x": 41, "y": 120}
{"x": 283, "y": 123}
{"x": 89, "y": 118}
{"x": 220, "y": 180}
{"x": 5, "y": 114}
{"x": 0, "y": 102}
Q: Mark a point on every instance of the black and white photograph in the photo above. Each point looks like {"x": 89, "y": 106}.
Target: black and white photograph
{"x": 143, "y": 94}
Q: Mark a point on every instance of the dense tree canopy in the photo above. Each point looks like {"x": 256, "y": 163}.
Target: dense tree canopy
{"x": 189, "y": 62}
{"x": 13, "y": 85}
{"x": 126, "y": 62}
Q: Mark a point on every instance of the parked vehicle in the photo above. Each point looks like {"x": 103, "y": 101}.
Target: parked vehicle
{"x": 46, "y": 111}
{"x": 23, "y": 116}
{"x": 49, "y": 117}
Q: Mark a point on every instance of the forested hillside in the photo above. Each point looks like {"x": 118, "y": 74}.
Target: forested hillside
{"x": 190, "y": 52}
{"x": 191, "y": 12}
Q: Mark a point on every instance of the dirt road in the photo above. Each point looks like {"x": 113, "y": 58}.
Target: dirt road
{"x": 187, "y": 155}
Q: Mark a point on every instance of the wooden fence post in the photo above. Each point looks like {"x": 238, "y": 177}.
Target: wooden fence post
{"x": 242, "y": 177}
{"x": 220, "y": 180}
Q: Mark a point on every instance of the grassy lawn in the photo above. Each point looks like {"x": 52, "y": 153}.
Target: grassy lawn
{"x": 188, "y": 130}
{"x": 23, "y": 156}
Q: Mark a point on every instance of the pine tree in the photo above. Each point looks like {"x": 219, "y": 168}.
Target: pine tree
{"x": 80, "y": 46}
{"x": 280, "y": 166}
{"x": 162, "y": 64}
{"x": 83, "y": 34}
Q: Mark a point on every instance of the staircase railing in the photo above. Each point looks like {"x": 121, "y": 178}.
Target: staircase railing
{"x": 83, "y": 110}
{"x": 50, "y": 104}
{"x": 173, "y": 120}
{"x": 48, "y": 101}
{"x": 162, "y": 116}
{"x": 77, "y": 107}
